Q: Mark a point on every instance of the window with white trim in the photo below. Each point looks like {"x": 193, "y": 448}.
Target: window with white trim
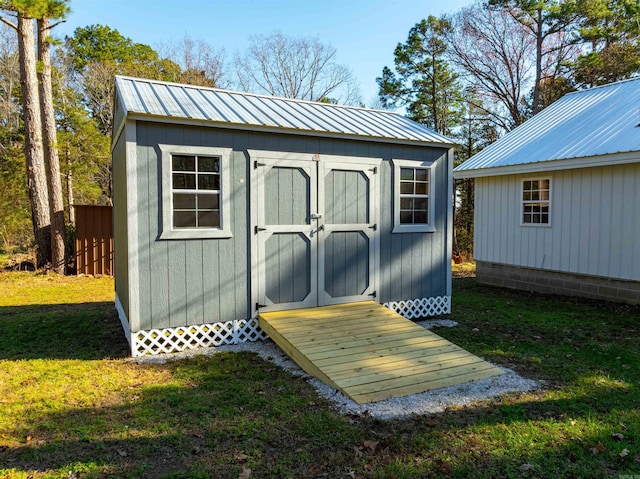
{"x": 195, "y": 192}
{"x": 195, "y": 187}
{"x": 536, "y": 201}
{"x": 413, "y": 196}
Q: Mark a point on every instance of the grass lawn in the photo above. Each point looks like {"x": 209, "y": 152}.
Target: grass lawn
{"x": 73, "y": 406}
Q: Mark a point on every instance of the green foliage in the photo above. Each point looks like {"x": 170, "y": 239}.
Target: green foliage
{"x": 611, "y": 28}
{"x": 97, "y": 53}
{"x": 99, "y": 43}
{"x": 38, "y": 8}
{"x": 423, "y": 82}
{"x": 15, "y": 217}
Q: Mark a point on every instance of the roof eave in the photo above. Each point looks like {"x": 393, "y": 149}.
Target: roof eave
{"x": 271, "y": 129}
{"x": 553, "y": 165}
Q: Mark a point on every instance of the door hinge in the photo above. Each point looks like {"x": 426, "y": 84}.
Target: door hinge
{"x": 257, "y": 229}
{"x": 373, "y": 227}
{"x": 256, "y": 164}
{"x": 374, "y": 294}
{"x": 258, "y": 305}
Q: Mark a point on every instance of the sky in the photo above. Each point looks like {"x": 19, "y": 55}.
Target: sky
{"x": 364, "y": 32}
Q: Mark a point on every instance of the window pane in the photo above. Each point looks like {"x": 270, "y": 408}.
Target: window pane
{"x": 208, "y": 219}
{"x": 544, "y": 184}
{"x": 182, "y": 201}
{"x": 421, "y": 175}
{"x": 208, "y": 202}
{"x": 208, "y": 182}
{"x": 406, "y": 217}
{"x": 406, "y": 174}
{"x": 208, "y": 164}
{"x": 544, "y": 195}
{"x": 422, "y": 188}
{"x": 406, "y": 188}
{"x": 406, "y": 203}
{"x": 184, "y": 163}
{"x": 183, "y": 181}
{"x": 420, "y": 217}
{"x": 184, "y": 219}
{"x": 527, "y": 218}
{"x": 421, "y": 203}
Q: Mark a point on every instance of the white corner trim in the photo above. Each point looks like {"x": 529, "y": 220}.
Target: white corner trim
{"x": 131, "y": 167}
{"x": 450, "y": 233}
{"x": 123, "y": 321}
{"x": 166, "y": 202}
{"x": 421, "y": 307}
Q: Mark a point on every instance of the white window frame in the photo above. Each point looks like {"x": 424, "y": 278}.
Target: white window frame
{"x": 523, "y": 201}
{"x": 398, "y": 227}
{"x": 224, "y": 230}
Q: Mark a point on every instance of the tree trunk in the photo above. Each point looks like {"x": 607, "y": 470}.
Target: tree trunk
{"x": 52, "y": 161}
{"x": 538, "y": 83}
{"x": 36, "y": 173}
{"x": 69, "y": 178}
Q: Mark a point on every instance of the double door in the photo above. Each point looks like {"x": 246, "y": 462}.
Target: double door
{"x": 316, "y": 231}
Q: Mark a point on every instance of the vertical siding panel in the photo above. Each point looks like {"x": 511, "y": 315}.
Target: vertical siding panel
{"x": 154, "y": 266}
{"x": 629, "y": 261}
{"x": 499, "y": 213}
{"x": 210, "y": 267}
{"x": 634, "y": 251}
{"x": 577, "y": 208}
{"x": 559, "y": 205}
{"x": 607, "y": 205}
{"x": 176, "y": 251}
{"x": 502, "y": 221}
{"x": 595, "y": 223}
{"x": 194, "y": 264}
{"x": 385, "y": 204}
{"x": 395, "y": 256}
{"x": 240, "y": 227}
{"x": 478, "y": 219}
{"x": 618, "y": 204}
{"x": 585, "y": 231}
{"x": 147, "y": 172}
{"x": 406, "y": 262}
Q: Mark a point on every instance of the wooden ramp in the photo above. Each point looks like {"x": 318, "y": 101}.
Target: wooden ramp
{"x": 371, "y": 353}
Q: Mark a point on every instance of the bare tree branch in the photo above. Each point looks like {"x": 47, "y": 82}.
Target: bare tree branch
{"x": 295, "y": 67}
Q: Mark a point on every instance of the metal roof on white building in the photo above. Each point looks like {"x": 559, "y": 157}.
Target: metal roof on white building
{"x": 580, "y": 127}
{"x": 151, "y": 98}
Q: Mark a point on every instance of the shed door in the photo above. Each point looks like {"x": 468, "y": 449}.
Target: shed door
{"x": 346, "y": 246}
{"x": 316, "y": 232}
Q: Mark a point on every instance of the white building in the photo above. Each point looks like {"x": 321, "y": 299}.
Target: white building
{"x": 557, "y": 200}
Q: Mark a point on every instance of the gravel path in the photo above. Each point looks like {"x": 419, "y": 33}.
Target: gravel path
{"x": 424, "y": 403}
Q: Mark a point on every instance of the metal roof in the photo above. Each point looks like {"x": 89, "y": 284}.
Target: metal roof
{"x": 244, "y": 110}
{"x": 599, "y": 121}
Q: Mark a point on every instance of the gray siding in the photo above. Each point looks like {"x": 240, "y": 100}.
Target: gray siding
{"x": 595, "y": 223}
{"x": 121, "y": 259}
{"x": 202, "y": 281}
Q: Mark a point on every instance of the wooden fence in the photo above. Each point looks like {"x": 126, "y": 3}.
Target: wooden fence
{"x": 94, "y": 240}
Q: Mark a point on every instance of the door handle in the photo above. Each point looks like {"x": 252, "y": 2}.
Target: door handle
{"x": 316, "y": 216}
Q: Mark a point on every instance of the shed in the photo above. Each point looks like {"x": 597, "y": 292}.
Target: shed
{"x": 557, "y": 206}
{"x": 228, "y": 204}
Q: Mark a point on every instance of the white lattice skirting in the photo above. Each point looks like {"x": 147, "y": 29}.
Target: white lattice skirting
{"x": 172, "y": 340}
{"x": 421, "y": 307}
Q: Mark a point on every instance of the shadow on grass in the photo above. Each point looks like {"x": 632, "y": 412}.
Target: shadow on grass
{"x": 66, "y": 331}
{"x": 232, "y": 411}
